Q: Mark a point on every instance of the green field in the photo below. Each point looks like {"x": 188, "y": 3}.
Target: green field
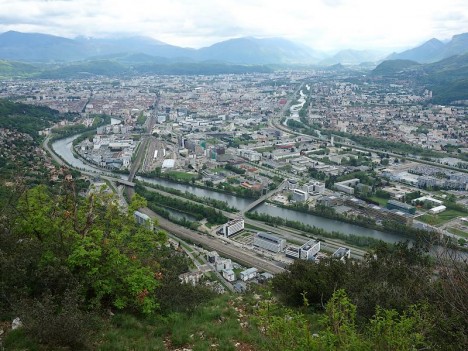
{"x": 181, "y": 175}
{"x": 382, "y": 202}
{"x": 458, "y": 232}
{"x": 440, "y": 218}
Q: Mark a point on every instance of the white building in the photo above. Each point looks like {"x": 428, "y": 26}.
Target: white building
{"x": 233, "y": 227}
{"x": 437, "y": 209}
{"x": 314, "y": 187}
{"x": 300, "y": 195}
{"x": 269, "y": 242}
{"x": 229, "y": 275}
{"x": 308, "y": 251}
{"x": 342, "y": 253}
{"x": 143, "y": 219}
{"x": 346, "y": 186}
{"x": 248, "y": 274}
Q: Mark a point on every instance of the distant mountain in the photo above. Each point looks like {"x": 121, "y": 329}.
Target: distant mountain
{"x": 434, "y": 50}
{"x": 352, "y": 57}
{"x": 136, "y": 44}
{"x": 393, "y": 67}
{"x": 258, "y": 51}
{"x": 35, "y": 47}
{"x": 457, "y": 46}
{"x": 448, "y": 78}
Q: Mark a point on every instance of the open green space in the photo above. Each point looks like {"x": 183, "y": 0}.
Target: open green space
{"x": 458, "y": 232}
{"x": 380, "y": 200}
{"x": 178, "y": 175}
{"x": 440, "y": 218}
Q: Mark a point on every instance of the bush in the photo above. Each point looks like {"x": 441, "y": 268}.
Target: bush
{"x": 57, "y": 322}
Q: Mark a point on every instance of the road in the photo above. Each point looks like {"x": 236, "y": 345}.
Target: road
{"x": 224, "y": 249}
{"x": 291, "y": 235}
{"x": 289, "y": 131}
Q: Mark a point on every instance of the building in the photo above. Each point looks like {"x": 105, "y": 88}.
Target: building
{"x": 346, "y": 186}
{"x": 229, "y": 275}
{"x": 314, "y": 188}
{"x": 269, "y": 242}
{"x": 401, "y": 206}
{"x": 299, "y": 195}
{"x": 143, "y": 219}
{"x": 308, "y": 251}
{"x": 192, "y": 278}
{"x": 428, "y": 200}
{"x": 223, "y": 264}
{"x": 233, "y": 227}
{"x": 248, "y": 274}
{"x": 342, "y": 253}
{"x": 437, "y": 209}
{"x": 292, "y": 184}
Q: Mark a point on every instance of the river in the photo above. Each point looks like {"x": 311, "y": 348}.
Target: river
{"x": 63, "y": 148}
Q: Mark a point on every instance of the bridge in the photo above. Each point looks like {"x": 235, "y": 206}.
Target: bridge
{"x": 257, "y": 202}
{"x": 124, "y": 182}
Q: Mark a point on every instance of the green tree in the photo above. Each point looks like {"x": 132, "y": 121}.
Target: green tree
{"x": 113, "y": 259}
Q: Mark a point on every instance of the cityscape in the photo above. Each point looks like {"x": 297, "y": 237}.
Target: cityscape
{"x": 256, "y": 193}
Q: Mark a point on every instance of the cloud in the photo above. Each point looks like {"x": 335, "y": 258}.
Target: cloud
{"x": 322, "y": 24}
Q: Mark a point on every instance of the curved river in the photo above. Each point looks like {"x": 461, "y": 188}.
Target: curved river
{"x": 63, "y": 148}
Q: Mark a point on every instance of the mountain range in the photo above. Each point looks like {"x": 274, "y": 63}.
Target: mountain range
{"x": 35, "y": 47}
{"x": 434, "y": 50}
{"x": 45, "y": 48}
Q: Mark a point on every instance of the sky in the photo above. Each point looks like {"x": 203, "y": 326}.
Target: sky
{"x": 325, "y": 25}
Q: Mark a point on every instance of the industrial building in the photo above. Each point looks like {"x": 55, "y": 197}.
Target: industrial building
{"x": 401, "y": 206}
{"x": 308, "y": 251}
{"x": 233, "y": 227}
{"x": 269, "y": 242}
{"x": 346, "y": 186}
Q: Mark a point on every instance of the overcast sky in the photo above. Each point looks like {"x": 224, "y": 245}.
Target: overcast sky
{"x": 320, "y": 24}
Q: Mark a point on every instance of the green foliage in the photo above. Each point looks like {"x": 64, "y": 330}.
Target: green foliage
{"x": 26, "y": 118}
{"x": 90, "y": 242}
{"x": 198, "y": 211}
{"x": 285, "y": 329}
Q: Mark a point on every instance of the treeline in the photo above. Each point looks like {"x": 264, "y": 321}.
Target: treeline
{"x": 399, "y": 283}
{"x": 28, "y": 119}
{"x": 220, "y": 205}
{"x": 198, "y": 211}
{"x": 166, "y": 214}
{"x": 66, "y": 131}
{"x": 361, "y": 241}
{"x": 329, "y": 212}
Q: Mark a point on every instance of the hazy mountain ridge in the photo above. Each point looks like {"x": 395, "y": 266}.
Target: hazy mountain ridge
{"x": 35, "y": 47}
{"x": 448, "y": 78}
{"x": 434, "y": 50}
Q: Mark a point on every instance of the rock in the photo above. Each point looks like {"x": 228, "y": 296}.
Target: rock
{"x": 16, "y": 323}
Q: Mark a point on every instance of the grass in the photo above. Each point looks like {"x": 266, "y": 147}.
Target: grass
{"x": 440, "y": 218}
{"x": 380, "y": 200}
{"x": 214, "y": 323}
{"x": 458, "y": 232}
{"x": 181, "y": 175}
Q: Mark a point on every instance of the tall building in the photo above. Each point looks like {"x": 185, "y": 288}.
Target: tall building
{"x": 233, "y": 227}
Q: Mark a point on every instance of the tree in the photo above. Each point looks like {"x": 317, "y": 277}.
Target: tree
{"x": 112, "y": 258}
